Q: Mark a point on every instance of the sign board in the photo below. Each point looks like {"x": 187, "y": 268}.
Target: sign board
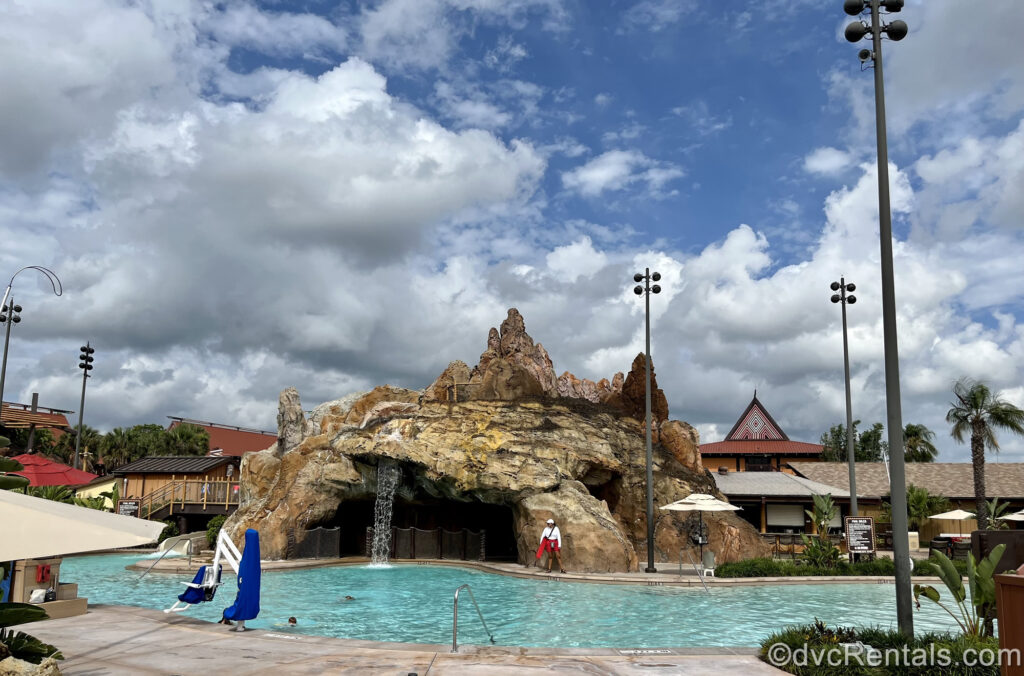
{"x": 860, "y": 534}
{"x": 128, "y": 507}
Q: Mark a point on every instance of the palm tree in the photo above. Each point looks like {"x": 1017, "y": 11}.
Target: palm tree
{"x": 978, "y": 411}
{"x": 187, "y": 439}
{"x": 117, "y": 447}
{"x": 917, "y": 444}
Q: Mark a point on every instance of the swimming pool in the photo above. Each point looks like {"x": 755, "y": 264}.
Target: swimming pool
{"x": 413, "y": 603}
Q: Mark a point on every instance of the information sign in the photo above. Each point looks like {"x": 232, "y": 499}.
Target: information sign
{"x": 860, "y": 534}
{"x": 128, "y": 507}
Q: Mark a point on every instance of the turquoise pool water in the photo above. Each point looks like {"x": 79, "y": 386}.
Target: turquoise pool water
{"x": 413, "y": 603}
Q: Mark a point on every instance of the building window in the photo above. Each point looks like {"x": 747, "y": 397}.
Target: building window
{"x": 759, "y": 463}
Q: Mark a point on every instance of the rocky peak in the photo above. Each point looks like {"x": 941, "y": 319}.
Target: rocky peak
{"x": 513, "y": 366}
{"x": 634, "y": 391}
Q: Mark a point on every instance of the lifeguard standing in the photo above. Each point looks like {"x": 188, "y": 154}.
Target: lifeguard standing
{"x": 551, "y": 543}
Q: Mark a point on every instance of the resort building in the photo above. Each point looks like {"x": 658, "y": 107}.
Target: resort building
{"x": 230, "y": 440}
{"x": 32, "y": 416}
{"x": 776, "y": 502}
{"x": 189, "y": 489}
{"x": 756, "y": 443}
{"x": 952, "y": 480}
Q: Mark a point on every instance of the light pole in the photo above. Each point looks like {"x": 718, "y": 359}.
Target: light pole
{"x": 842, "y": 287}
{"x": 86, "y": 365}
{"x": 646, "y": 290}
{"x": 896, "y": 30}
{"x": 9, "y": 314}
{"x": 58, "y": 289}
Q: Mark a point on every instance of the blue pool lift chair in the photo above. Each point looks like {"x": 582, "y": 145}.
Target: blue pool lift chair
{"x": 204, "y": 585}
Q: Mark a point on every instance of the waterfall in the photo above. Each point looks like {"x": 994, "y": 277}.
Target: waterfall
{"x": 388, "y": 474}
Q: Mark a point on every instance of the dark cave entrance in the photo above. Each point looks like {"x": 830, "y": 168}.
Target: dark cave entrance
{"x": 605, "y": 485}
{"x": 429, "y": 514}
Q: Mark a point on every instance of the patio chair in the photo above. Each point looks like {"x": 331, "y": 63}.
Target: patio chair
{"x": 939, "y": 545}
{"x": 708, "y": 563}
{"x": 961, "y": 550}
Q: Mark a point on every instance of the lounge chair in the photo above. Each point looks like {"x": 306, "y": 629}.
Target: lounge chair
{"x": 708, "y": 564}
{"x": 961, "y": 550}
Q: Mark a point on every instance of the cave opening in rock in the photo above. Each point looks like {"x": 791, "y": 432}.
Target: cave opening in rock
{"x": 605, "y": 485}
{"x": 428, "y": 515}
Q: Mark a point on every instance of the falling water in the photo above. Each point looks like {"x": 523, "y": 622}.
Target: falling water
{"x": 388, "y": 474}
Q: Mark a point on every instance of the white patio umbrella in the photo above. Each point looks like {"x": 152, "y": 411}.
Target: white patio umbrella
{"x": 37, "y": 528}
{"x": 1016, "y": 516}
{"x": 700, "y": 503}
{"x": 955, "y": 515}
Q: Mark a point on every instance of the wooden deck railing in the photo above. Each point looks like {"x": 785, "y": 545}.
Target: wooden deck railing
{"x": 181, "y": 492}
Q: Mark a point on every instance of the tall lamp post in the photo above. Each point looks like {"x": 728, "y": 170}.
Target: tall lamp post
{"x": 895, "y": 30}
{"x": 10, "y": 314}
{"x": 86, "y": 365}
{"x": 847, "y": 299}
{"x": 646, "y": 290}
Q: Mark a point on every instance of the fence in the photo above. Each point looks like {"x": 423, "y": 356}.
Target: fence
{"x": 319, "y": 543}
{"x": 437, "y": 543}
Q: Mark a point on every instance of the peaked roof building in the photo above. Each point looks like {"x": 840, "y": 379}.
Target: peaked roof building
{"x": 756, "y": 443}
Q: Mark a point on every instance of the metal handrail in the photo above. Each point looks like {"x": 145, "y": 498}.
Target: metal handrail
{"x": 700, "y": 573}
{"x": 455, "y": 617}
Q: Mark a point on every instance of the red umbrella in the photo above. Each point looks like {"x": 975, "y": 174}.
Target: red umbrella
{"x": 42, "y": 472}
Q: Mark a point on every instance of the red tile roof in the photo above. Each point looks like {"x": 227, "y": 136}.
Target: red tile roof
{"x": 760, "y": 447}
{"x": 230, "y": 440}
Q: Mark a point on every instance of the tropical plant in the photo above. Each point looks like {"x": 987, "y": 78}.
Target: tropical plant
{"x": 10, "y": 481}
{"x": 64, "y": 449}
{"x": 21, "y": 645}
{"x": 94, "y": 502}
{"x": 917, "y": 444}
{"x": 169, "y": 531}
{"x": 975, "y": 613}
{"x": 42, "y": 441}
{"x": 148, "y": 439}
{"x": 996, "y": 510}
{"x": 117, "y": 447}
{"x": 187, "y": 439}
{"x": 980, "y": 412}
{"x": 820, "y": 552}
{"x": 825, "y": 510}
{"x": 213, "y": 529}
{"x": 114, "y": 495}
{"x": 55, "y": 493}
{"x": 921, "y": 504}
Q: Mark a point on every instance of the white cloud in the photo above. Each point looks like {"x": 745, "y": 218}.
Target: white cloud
{"x": 828, "y": 161}
{"x": 619, "y": 169}
{"x": 280, "y": 33}
{"x": 656, "y": 15}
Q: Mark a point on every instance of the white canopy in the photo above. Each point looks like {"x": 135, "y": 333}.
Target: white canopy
{"x": 36, "y": 528}
{"x": 1016, "y": 516}
{"x": 955, "y": 515}
{"x": 700, "y": 502}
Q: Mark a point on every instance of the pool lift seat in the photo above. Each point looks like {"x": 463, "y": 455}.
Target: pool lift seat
{"x": 204, "y": 585}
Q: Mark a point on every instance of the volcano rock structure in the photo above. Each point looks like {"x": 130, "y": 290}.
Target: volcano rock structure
{"x": 503, "y": 447}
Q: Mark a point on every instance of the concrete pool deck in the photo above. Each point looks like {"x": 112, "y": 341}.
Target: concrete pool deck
{"x": 123, "y": 640}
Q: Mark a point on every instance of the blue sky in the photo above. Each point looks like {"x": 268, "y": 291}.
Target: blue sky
{"x": 243, "y": 196}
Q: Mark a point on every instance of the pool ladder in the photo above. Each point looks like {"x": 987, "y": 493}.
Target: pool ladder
{"x": 700, "y": 573}
{"x": 455, "y": 617}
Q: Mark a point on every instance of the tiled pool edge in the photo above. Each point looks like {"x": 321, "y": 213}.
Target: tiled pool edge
{"x": 519, "y": 571}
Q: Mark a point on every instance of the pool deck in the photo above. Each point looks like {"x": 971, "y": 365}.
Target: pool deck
{"x": 123, "y": 640}
{"x": 668, "y": 574}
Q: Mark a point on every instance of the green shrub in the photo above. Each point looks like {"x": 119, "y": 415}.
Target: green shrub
{"x": 169, "y": 531}
{"x": 213, "y": 529}
{"x": 821, "y": 639}
{"x": 922, "y": 567}
{"x": 755, "y": 568}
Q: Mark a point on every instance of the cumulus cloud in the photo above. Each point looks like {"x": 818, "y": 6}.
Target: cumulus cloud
{"x": 827, "y": 161}
{"x": 618, "y": 169}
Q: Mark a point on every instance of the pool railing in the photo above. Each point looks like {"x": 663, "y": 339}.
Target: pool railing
{"x": 455, "y": 617}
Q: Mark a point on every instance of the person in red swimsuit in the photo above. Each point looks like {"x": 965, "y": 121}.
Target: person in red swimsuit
{"x": 550, "y": 543}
